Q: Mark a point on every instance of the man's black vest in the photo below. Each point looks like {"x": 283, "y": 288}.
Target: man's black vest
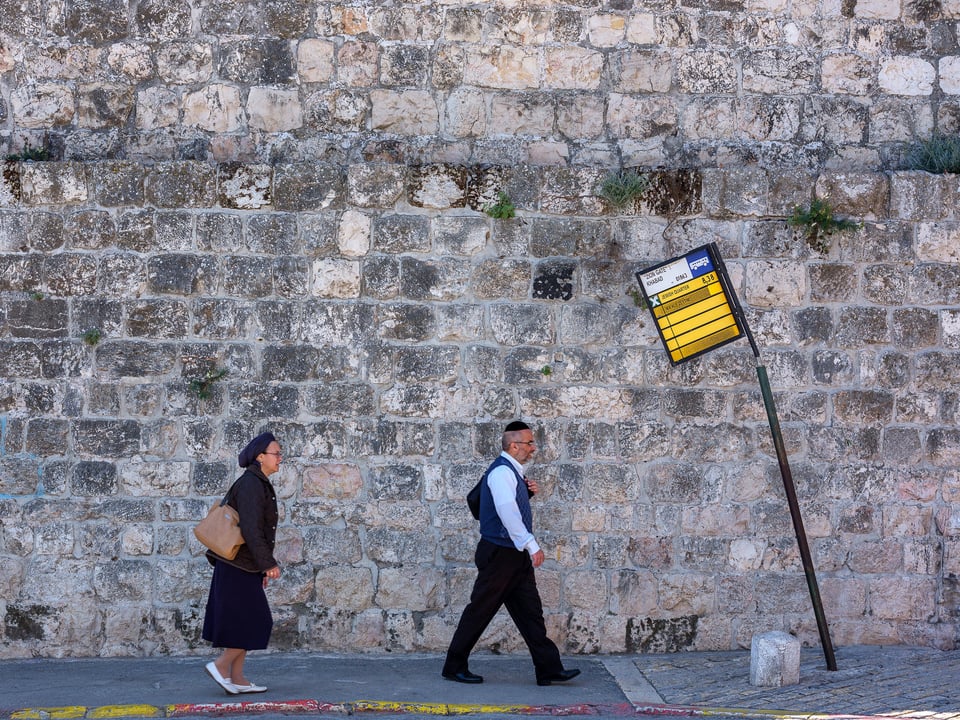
{"x": 491, "y": 529}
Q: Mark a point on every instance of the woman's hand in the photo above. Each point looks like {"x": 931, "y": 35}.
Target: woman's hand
{"x": 271, "y": 574}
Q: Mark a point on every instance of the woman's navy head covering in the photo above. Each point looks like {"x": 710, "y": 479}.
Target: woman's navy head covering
{"x": 248, "y": 456}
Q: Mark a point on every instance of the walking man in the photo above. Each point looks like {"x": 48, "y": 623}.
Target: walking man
{"x": 505, "y": 558}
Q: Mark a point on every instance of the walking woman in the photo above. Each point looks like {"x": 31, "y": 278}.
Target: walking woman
{"x": 238, "y": 617}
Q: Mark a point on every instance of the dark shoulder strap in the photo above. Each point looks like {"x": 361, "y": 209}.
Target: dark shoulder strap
{"x": 231, "y": 492}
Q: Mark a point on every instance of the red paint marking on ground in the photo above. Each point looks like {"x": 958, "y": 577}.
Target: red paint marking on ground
{"x": 290, "y": 707}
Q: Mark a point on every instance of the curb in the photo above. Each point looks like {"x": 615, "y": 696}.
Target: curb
{"x": 310, "y": 707}
{"x": 315, "y": 707}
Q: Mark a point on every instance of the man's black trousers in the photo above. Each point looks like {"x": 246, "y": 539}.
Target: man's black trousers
{"x": 504, "y": 577}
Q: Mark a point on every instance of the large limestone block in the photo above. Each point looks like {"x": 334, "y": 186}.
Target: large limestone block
{"x": 907, "y": 76}
{"x": 274, "y": 110}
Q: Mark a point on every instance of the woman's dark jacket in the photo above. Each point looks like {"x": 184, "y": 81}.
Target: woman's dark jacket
{"x": 254, "y": 498}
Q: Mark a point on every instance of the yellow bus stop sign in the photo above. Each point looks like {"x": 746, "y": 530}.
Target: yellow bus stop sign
{"x": 692, "y": 302}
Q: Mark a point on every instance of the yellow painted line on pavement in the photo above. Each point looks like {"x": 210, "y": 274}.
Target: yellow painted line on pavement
{"x": 124, "y": 711}
{"x": 69, "y": 711}
{"x": 456, "y": 709}
{"x": 390, "y": 706}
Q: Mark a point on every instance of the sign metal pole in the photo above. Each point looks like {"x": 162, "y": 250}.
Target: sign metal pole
{"x": 788, "y": 486}
{"x": 791, "y": 492}
{"x": 696, "y": 310}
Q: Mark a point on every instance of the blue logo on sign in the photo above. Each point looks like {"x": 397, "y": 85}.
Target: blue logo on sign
{"x": 699, "y": 263}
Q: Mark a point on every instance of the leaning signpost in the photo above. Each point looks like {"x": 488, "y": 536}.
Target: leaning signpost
{"x": 696, "y": 310}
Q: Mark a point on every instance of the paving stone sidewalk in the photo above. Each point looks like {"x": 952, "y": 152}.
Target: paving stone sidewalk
{"x": 869, "y": 680}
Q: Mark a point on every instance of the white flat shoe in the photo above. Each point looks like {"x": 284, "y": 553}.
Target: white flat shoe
{"x": 251, "y": 688}
{"x": 228, "y": 686}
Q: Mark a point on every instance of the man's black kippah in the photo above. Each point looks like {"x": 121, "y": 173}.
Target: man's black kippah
{"x": 516, "y": 425}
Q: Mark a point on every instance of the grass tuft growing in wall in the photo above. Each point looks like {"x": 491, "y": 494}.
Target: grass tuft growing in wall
{"x": 622, "y": 187}
{"x": 34, "y": 154}
{"x": 940, "y": 154}
{"x": 819, "y": 223}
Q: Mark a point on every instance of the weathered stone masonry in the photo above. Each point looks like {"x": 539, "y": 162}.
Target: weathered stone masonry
{"x": 270, "y": 215}
{"x": 385, "y": 330}
{"x": 804, "y": 83}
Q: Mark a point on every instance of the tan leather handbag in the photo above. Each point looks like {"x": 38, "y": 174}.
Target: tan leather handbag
{"x": 220, "y": 531}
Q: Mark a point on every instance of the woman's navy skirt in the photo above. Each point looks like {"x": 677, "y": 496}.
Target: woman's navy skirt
{"x": 238, "y": 615}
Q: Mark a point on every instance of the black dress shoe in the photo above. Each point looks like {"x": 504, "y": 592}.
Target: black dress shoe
{"x": 465, "y": 677}
{"x": 561, "y": 676}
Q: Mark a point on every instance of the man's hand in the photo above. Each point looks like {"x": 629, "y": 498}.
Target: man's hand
{"x": 537, "y": 558}
{"x": 532, "y": 485}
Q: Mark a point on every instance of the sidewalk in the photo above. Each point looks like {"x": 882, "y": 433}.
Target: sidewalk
{"x": 870, "y": 681}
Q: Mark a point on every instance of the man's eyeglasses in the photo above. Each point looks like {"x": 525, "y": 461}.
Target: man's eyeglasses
{"x": 525, "y": 442}
{"x": 278, "y": 454}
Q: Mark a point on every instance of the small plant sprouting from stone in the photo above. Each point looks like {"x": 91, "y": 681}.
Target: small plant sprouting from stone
{"x": 546, "y": 371}
{"x": 36, "y": 295}
{"x": 820, "y": 223}
{"x": 622, "y": 187}
{"x": 638, "y": 298}
{"x": 92, "y": 336}
{"x": 940, "y": 154}
{"x": 35, "y": 154}
{"x": 503, "y": 209}
{"x": 201, "y": 387}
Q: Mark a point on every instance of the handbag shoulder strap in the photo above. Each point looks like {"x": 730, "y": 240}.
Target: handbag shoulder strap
{"x": 229, "y": 494}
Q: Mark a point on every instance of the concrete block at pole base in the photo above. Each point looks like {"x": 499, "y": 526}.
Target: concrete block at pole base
{"x": 774, "y": 659}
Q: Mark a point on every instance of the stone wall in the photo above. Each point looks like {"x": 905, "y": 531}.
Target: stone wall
{"x": 270, "y": 215}
{"x": 386, "y": 329}
{"x": 669, "y": 83}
